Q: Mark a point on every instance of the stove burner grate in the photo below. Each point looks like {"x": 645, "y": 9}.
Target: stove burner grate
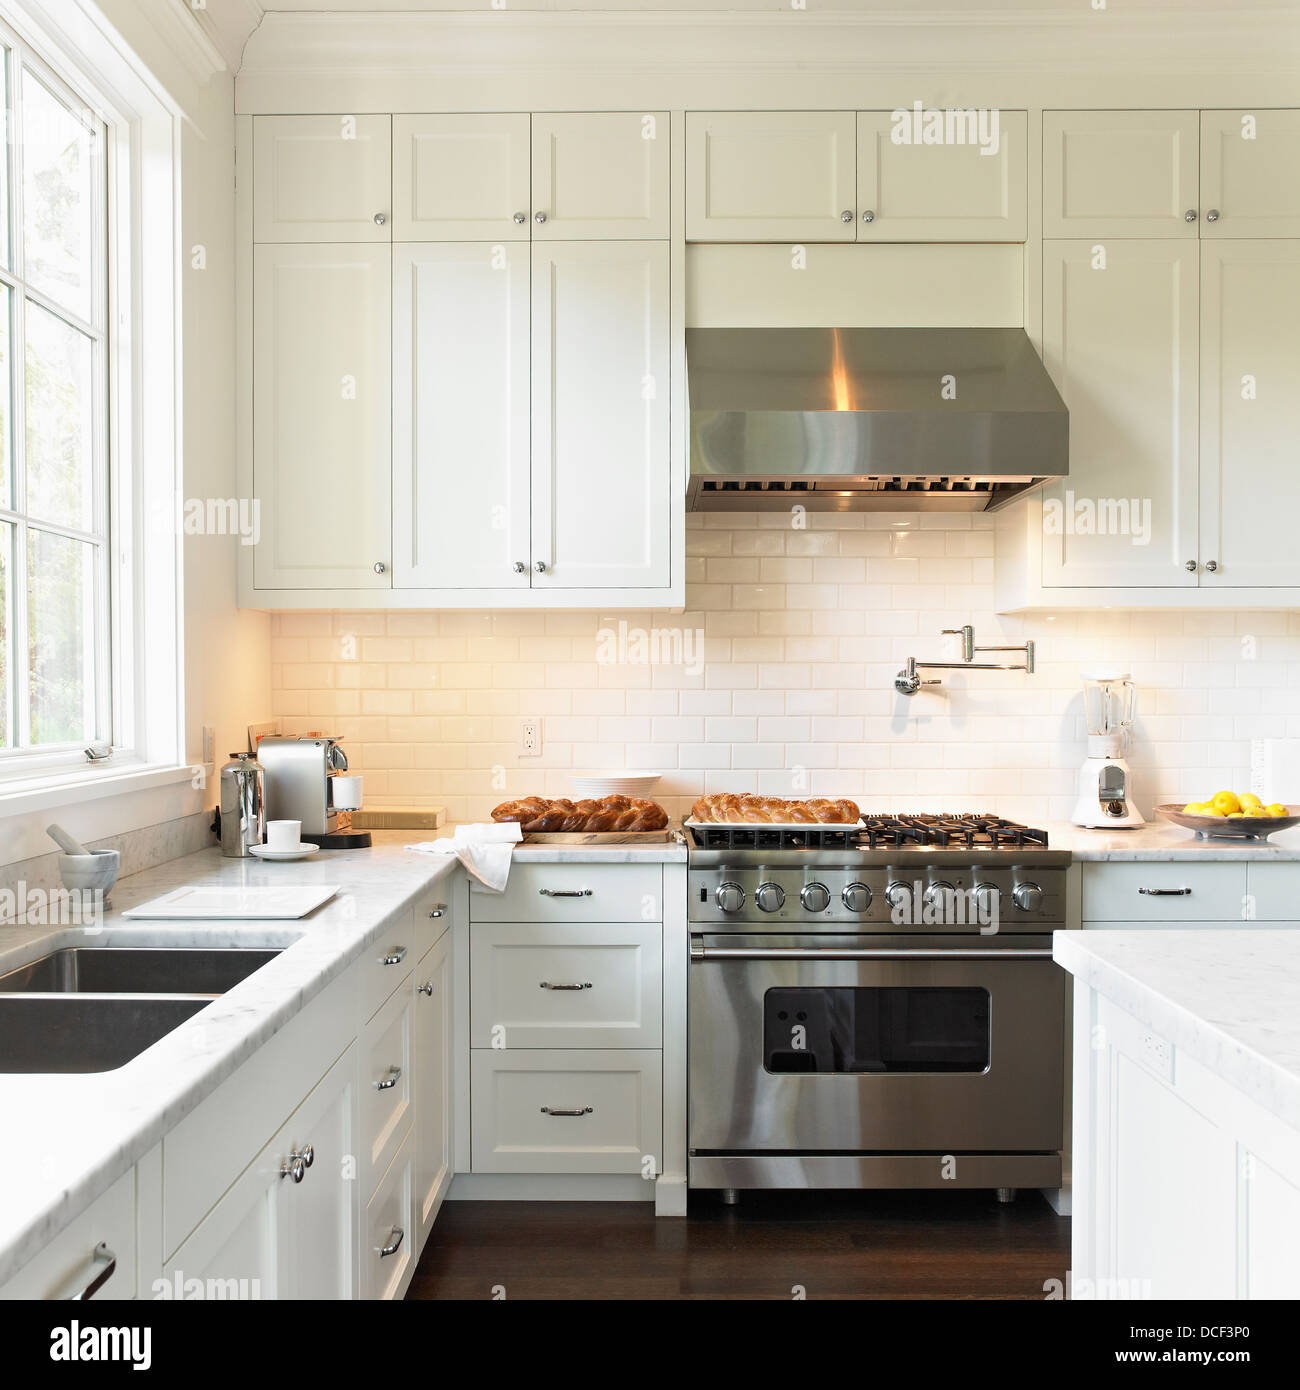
{"x": 964, "y": 831}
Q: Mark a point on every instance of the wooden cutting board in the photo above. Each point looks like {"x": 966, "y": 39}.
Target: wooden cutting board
{"x": 600, "y": 837}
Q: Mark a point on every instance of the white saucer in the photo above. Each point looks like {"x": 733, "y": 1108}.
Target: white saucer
{"x": 301, "y": 851}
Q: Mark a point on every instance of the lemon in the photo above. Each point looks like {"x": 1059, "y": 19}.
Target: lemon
{"x": 1210, "y": 809}
{"x": 1225, "y": 802}
{"x": 1236, "y": 815}
{"x": 1250, "y": 803}
{"x": 1194, "y": 808}
{"x": 1276, "y": 809}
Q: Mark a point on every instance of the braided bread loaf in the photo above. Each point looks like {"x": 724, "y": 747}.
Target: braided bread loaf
{"x": 746, "y": 809}
{"x": 539, "y": 815}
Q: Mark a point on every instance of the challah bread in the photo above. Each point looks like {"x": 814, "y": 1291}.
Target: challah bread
{"x": 539, "y": 815}
{"x": 727, "y": 808}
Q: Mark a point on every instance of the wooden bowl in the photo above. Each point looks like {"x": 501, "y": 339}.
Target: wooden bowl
{"x": 1242, "y": 828}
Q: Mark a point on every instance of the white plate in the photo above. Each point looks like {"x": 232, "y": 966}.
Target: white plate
{"x": 594, "y": 784}
{"x": 231, "y": 903}
{"x": 300, "y": 851}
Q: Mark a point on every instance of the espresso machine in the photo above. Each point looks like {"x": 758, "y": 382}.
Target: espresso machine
{"x": 1105, "y": 783}
{"x": 299, "y": 773}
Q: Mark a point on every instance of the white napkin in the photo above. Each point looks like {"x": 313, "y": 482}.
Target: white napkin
{"x": 485, "y": 850}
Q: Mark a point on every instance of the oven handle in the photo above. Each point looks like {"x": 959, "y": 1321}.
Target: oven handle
{"x": 706, "y": 953}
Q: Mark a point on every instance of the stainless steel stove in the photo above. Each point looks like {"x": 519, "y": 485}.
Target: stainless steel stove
{"x": 876, "y": 1006}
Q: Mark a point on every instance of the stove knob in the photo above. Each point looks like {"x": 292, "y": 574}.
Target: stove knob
{"x": 770, "y": 897}
{"x": 856, "y": 897}
{"x": 815, "y": 897}
{"x": 896, "y": 894}
{"x": 939, "y": 894}
{"x": 730, "y": 897}
{"x": 986, "y": 897}
{"x": 1028, "y": 897}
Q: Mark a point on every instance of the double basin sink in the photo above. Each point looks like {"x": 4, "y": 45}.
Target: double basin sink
{"x": 94, "y": 1008}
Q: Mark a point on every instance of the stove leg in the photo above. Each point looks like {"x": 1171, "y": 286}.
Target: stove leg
{"x": 730, "y": 1197}
{"x": 1006, "y": 1194}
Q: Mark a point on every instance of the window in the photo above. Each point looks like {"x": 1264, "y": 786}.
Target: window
{"x": 55, "y": 671}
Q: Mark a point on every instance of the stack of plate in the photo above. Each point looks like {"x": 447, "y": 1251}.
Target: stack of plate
{"x": 598, "y": 784}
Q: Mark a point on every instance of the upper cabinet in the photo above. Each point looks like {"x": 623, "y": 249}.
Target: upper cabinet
{"x": 1120, "y": 174}
{"x": 770, "y": 176}
{"x": 969, "y": 185}
{"x": 864, "y": 176}
{"x": 321, "y": 178}
{"x": 1249, "y": 181}
{"x": 600, "y": 176}
{"x": 461, "y": 178}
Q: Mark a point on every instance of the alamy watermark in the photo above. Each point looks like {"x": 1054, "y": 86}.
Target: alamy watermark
{"x": 655, "y": 646}
{"x": 1098, "y": 516}
{"x": 915, "y": 125}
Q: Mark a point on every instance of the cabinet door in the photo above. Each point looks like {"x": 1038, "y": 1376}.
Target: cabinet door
{"x": 601, "y": 475}
{"x": 433, "y": 1084}
{"x": 321, "y": 416}
{"x": 461, "y": 416}
{"x": 970, "y": 187}
{"x": 1250, "y": 412}
{"x": 1120, "y": 174}
{"x": 321, "y": 178}
{"x": 770, "y": 175}
{"x": 1249, "y": 186}
{"x": 460, "y": 178}
{"x": 1120, "y": 343}
{"x": 600, "y": 176}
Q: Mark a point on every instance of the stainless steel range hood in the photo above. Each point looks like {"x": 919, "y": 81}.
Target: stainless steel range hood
{"x": 867, "y": 419}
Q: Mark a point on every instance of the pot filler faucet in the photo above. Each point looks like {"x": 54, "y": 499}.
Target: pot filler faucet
{"x": 907, "y": 682}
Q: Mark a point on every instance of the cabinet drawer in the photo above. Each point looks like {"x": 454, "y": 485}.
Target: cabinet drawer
{"x": 385, "y": 1063}
{"x": 385, "y": 965}
{"x": 1274, "y": 891}
{"x": 387, "y": 1241}
{"x": 565, "y": 984}
{"x": 565, "y": 1111}
{"x": 1167, "y": 892}
{"x": 573, "y": 893}
{"x": 71, "y": 1260}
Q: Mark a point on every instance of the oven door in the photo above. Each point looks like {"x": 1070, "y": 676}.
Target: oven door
{"x": 875, "y": 1044}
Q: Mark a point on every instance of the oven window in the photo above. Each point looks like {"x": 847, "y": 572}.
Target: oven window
{"x": 876, "y": 1030}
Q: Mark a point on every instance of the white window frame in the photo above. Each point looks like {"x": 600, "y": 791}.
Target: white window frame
{"x": 144, "y": 574}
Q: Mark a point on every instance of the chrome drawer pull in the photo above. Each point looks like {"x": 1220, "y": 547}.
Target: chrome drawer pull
{"x": 398, "y": 956}
{"x": 546, "y": 984}
{"x": 1165, "y": 892}
{"x": 586, "y": 1110}
{"x": 705, "y": 953}
{"x": 391, "y": 1080}
{"x": 565, "y": 892}
{"x": 104, "y": 1262}
{"x": 438, "y": 910}
{"x": 395, "y": 1238}
{"x": 425, "y": 989}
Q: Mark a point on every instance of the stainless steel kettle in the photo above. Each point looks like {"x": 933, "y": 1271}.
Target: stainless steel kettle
{"x": 243, "y": 812}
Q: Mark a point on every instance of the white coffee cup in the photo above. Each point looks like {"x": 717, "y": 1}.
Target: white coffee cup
{"x": 346, "y": 793}
{"x": 283, "y": 834}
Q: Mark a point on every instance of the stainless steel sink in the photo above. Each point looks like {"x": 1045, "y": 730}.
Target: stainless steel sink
{"x": 136, "y": 970}
{"x": 84, "y": 1033}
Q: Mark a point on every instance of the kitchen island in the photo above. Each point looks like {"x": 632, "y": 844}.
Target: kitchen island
{"x": 1186, "y": 1154}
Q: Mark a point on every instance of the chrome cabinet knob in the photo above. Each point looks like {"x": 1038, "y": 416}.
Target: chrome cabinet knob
{"x": 539, "y": 218}
{"x": 846, "y": 215}
{"x": 770, "y": 897}
{"x": 380, "y": 218}
{"x": 380, "y": 567}
{"x": 815, "y": 897}
{"x": 1189, "y": 215}
{"x": 730, "y": 897}
{"x": 1028, "y": 897}
{"x": 1190, "y": 566}
{"x": 520, "y": 567}
{"x": 425, "y": 989}
{"x": 308, "y": 1155}
{"x": 520, "y": 218}
{"x": 540, "y": 567}
{"x": 389, "y": 1080}
{"x": 856, "y": 897}
{"x": 294, "y": 1168}
{"x": 1212, "y": 215}
{"x": 1211, "y": 565}
{"x": 868, "y": 216}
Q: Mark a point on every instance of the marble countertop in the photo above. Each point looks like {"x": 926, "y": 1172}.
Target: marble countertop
{"x": 1162, "y": 840}
{"x": 1230, "y": 999}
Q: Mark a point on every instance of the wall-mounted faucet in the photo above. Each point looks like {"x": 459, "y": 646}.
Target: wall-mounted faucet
{"x": 907, "y": 682}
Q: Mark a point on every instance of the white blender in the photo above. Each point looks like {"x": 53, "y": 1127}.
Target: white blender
{"x": 1109, "y": 707}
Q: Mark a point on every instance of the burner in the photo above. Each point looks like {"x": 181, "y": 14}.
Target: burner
{"x": 961, "y": 831}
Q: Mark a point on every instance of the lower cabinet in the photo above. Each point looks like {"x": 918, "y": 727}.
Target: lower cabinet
{"x": 1181, "y": 894}
{"x": 388, "y": 1249}
{"x": 433, "y": 1083}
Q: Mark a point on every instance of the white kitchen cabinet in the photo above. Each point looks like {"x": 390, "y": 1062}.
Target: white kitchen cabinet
{"x": 954, "y": 191}
{"x": 321, "y": 416}
{"x": 602, "y": 499}
{"x": 1250, "y": 413}
{"x": 600, "y": 176}
{"x": 461, "y": 177}
{"x": 1120, "y": 341}
{"x": 566, "y": 893}
{"x": 461, "y": 450}
{"x": 387, "y": 1239}
{"x": 386, "y": 1095}
{"x": 321, "y": 178}
{"x": 1170, "y": 892}
{"x": 273, "y": 1235}
{"x": 1248, "y": 174}
{"x": 434, "y": 1084}
{"x": 1112, "y": 174}
{"x": 770, "y": 175}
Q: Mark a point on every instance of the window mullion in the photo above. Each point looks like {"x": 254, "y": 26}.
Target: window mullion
{"x": 20, "y": 650}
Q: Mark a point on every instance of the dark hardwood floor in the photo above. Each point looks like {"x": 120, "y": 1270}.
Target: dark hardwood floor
{"x": 834, "y": 1245}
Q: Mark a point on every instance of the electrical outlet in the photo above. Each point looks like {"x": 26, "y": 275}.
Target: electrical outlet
{"x": 530, "y": 738}
{"x": 209, "y": 743}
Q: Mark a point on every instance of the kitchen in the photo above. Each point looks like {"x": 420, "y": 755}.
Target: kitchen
{"x": 824, "y": 480}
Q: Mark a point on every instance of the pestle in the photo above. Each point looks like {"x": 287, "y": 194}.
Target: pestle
{"x": 65, "y": 841}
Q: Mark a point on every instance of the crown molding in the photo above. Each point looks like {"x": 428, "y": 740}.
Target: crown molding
{"x": 227, "y": 24}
